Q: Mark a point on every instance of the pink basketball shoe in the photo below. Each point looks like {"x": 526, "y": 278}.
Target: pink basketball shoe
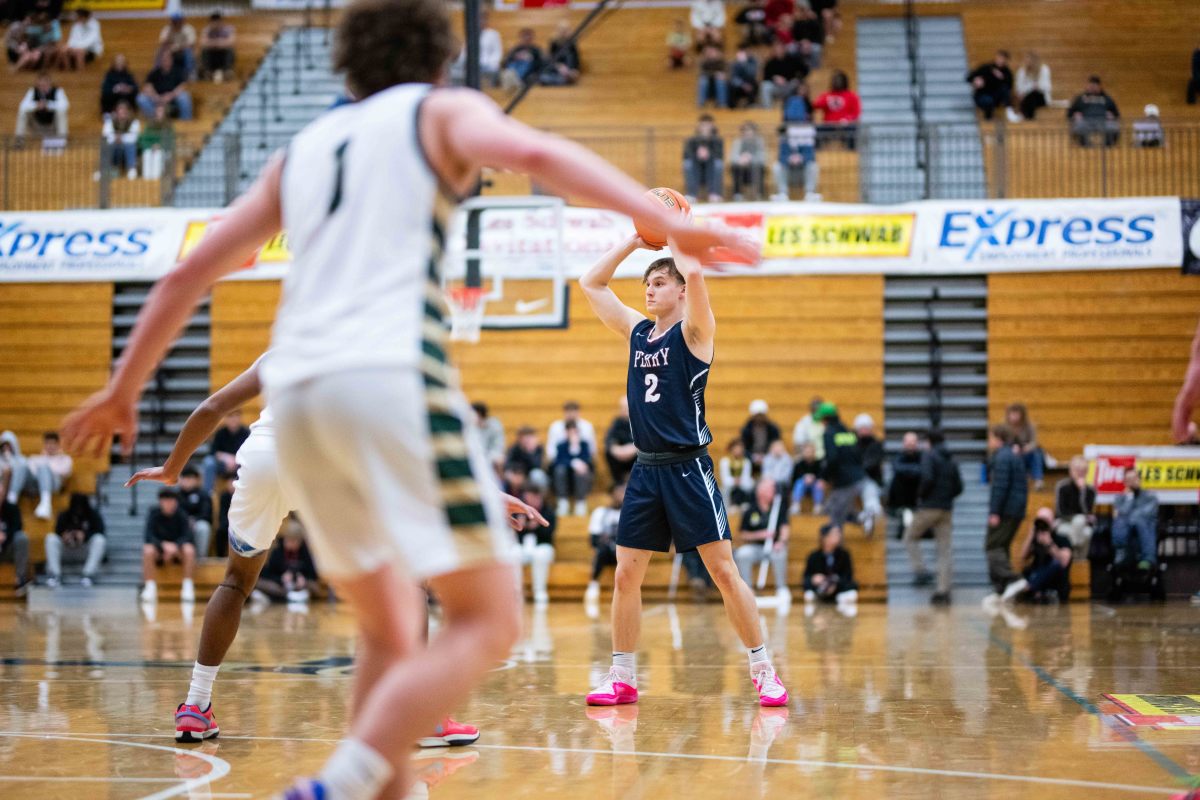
{"x": 615, "y": 690}
{"x": 770, "y": 689}
{"x": 195, "y": 725}
{"x": 450, "y": 734}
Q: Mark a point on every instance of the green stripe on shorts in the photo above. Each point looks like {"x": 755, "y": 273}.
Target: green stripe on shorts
{"x": 451, "y": 468}
{"x": 444, "y": 423}
{"x": 466, "y": 514}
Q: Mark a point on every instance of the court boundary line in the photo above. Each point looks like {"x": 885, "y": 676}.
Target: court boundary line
{"x": 1150, "y": 751}
{"x": 219, "y": 766}
{"x": 796, "y": 762}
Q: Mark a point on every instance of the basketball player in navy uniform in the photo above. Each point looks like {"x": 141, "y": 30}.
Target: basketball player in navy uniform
{"x": 672, "y": 494}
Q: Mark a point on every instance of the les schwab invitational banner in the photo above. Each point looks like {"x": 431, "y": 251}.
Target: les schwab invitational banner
{"x": 1172, "y": 473}
{"x": 796, "y": 238}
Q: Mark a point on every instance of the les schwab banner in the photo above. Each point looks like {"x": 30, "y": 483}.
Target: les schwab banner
{"x": 1172, "y": 473}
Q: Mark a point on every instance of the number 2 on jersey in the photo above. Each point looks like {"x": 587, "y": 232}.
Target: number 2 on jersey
{"x": 652, "y": 396}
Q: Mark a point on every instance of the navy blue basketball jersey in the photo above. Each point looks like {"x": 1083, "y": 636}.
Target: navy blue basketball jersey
{"x": 665, "y": 389}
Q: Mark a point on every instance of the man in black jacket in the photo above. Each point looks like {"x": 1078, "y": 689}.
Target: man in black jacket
{"x": 829, "y": 572}
{"x": 1075, "y": 506}
{"x": 704, "y": 161}
{"x": 845, "y": 474}
{"x": 759, "y": 433}
{"x": 906, "y": 481}
{"x": 940, "y": 483}
{"x": 1006, "y": 508}
{"x": 1094, "y": 111}
{"x": 992, "y": 84}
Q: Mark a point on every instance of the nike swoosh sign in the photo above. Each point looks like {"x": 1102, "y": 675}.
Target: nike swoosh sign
{"x": 686, "y": 474}
{"x": 529, "y": 306}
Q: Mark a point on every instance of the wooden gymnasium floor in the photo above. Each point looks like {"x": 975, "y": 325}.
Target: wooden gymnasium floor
{"x": 902, "y": 701}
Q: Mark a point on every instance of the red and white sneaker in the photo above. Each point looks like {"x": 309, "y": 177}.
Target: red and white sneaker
{"x": 615, "y": 690}
{"x": 770, "y": 690}
{"x": 194, "y": 725}
{"x": 450, "y": 734}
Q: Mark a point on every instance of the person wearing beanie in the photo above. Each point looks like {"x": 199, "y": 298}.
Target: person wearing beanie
{"x": 870, "y": 447}
{"x": 758, "y": 433}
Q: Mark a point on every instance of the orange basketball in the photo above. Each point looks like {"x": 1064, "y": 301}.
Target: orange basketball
{"x": 671, "y": 199}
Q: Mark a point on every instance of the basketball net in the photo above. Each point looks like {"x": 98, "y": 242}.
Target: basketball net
{"x": 466, "y": 312}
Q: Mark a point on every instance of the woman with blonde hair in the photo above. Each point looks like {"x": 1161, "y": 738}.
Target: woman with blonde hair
{"x": 1033, "y": 85}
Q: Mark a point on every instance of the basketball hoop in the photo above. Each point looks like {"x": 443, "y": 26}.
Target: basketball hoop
{"x": 466, "y": 312}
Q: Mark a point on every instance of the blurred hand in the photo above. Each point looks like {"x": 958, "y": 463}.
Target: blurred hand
{"x": 89, "y": 429}
{"x": 517, "y": 508}
{"x": 156, "y": 474}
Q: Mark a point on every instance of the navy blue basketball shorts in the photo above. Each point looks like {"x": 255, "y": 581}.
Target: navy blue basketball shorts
{"x": 668, "y": 503}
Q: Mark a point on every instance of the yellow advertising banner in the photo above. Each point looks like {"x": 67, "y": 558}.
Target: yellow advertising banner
{"x": 117, "y": 5}
{"x": 275, "y": 251}
{"x": 839, "y": 235}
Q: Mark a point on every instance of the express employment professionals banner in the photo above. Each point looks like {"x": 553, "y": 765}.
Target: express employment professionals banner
{"x": 794, "y": 238}
{"x": 1022, "y": 235}
{"x": 1172, "y": 473}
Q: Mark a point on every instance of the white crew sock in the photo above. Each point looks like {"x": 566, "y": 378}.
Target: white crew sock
{"x": 200, "y": 690}
{"x": 758, "y": 657}
{"x": 355, "y": 772}
{"x": 627, "y": 662}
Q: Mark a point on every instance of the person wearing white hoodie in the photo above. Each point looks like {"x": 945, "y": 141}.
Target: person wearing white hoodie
{"x": 11, "y": 463}
{"x": 43, "y": 475}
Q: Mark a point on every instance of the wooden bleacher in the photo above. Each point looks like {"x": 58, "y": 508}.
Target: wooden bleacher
{"x": 55, "y": 349}
{"x": 44, "y": 182}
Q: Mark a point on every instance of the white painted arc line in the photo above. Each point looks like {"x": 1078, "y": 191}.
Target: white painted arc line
{"x": 705, "y": 757}
{"x": 219, "y": 766}
{"x": 83, "y": 779}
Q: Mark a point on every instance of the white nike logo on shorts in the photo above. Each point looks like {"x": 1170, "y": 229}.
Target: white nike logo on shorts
{"x": 686, "y": 474}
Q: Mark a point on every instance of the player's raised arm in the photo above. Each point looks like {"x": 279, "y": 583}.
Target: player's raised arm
{"x": 463, "y": 131}
{"x": 1189, "y": 394}
{"x": 250, "y": 221}
{"x": 202, "y": 423}
{"x": 615, "y": 315}
{"x": 699, "y": 324}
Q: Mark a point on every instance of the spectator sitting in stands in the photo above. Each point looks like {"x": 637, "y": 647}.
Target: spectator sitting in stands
{"x": 216, "y": 47}
{"x": 797, "y": 161}
{"x": 704, "y": 161}
{"x": 679, "y": 44}
{"x": 197, "y": 504}
{"x": 1075, "y": 506}
{"x": 491, "y": 435}
{"x": 992, "y": 84}
{"x": 840, "y": 108}
{"x": 41, "y": 39}
{"x": 1033, "y": 85}
{"x": 11, "y": 463}
{"x": 1047, "y": 556}
{"x": 777, "y": 466}
{"x": 42, "y": 476}
{"x": 743, "y": 79}
{"x": 829, "y": 571}
{"x": 781, "y": 75}
{"x": 537, "y": 541}
{"x": 777, "y": 9}
{"x": 14, "y": 544}
{"x": 523, "y": 63}
{"x": 44, "y": 108}
{"x": 748, "y": 162}
{"x": 806, "y": 480}
{"x": 708, "y": 23}
{"x": 221, "y": 461}
{"x": 781, "y": 31}
{"x": 178, "y": 39}
{"x": 79, "y": 530}
{"x": 809, "y": 430}
{"x": 1193, "y": 87}
{"x": 564, "y": 66}
{"x": 491, "y": 53}
{"x": 1148, "y": 131}
{"x": 529, "y": 453}
{"x": 735, "y": 469}
{"x": 906, "y": 481}
{"x": 16, "y": 42}
{"x": 808, "y": 27}
{"x": 1016, "y": 417}
{"x": 158, "y": 136}
{"x": 119, "y": 85}
{"x": 84, "y": 44}
{"x": 765, "y": 520}
{"x": 1135, "y": 511}
{"x": 573, "y": 471}
{"x": 168, "y": 538}
{"x": 758, "y": 433}
{"x": 290, "y": 574}
{"x": 558, "y": 429}
{"x": 713, "y": 83}
{"x": 619, "y": 450}
{"x": 166, "y": 86}
{"x": 1094, "y": 111}
{"x": 756, "y": 30}
{"x": 121, "y": 131}
{"x": 797, "y": 107}
{"x": 513, "y": 478}
{"x": 827, "y": 12}
{"x": 871, "y": 449}
{"x": 845, "y": 474}
{"x": 602, "y": 528}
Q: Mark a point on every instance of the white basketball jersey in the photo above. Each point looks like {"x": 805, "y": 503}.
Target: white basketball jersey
{"x": 359, "y": 209}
